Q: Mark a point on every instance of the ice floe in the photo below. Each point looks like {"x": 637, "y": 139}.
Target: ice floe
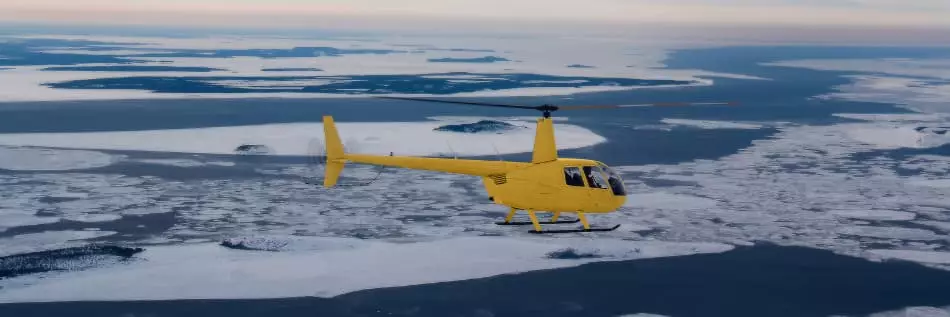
{"x": 891, "y": 233}
{"x": 10, "y": 218}
{"x": 401, "y": 138}
{"x": 711, "y": 124}
{"x": 887, "y": 136}
{"x": 292, "y": 243}
{"x": 939, "y": 225}
{"x": 894, "y": 131}
{"x": 802, "y": 186}
{"x": 918, "y": 84}
{"x": 937, "y": 257}
{"x": 894, "y": 117}
{"x": 661, "y": 200}
{"x": 93, "y": 217}
{"x": 209, "y": 271}
{"x": 918, "y": 311}
{"x": 38, "y": 159}
{"x": 184, "y": 162}
{"x": 45, "y": 240}
{"x": 926, "y": 164}
{"x": 931, "y": 68}
{"x": 875, "y": 214}
{"x": 935, "y": 183}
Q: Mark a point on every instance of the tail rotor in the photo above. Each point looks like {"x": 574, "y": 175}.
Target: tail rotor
{"x": 326, "y": 159}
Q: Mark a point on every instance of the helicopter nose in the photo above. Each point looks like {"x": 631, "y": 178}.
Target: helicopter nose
{"x": 620, "y": 201}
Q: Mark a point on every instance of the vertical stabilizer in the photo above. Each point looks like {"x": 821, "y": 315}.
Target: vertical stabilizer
{"x": 545, "y": 149}
{"x": 335, "y": 159}
{"x": 334, "y": 145}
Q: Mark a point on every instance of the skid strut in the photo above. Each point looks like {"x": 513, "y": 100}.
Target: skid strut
{"x": 555, "y": 219}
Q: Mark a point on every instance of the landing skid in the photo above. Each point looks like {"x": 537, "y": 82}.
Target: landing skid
{"x": 576, "y": 230}
{"x": 581, "y": 217}
{"x": 528, "y": 223}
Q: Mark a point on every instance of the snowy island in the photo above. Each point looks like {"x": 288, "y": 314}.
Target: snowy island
{"x": 479, "y": 127}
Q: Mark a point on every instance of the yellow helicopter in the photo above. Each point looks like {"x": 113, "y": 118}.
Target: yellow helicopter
{"x": 546, "y": 184}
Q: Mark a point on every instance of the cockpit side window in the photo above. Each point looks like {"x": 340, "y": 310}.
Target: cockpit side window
{"x": 595, "y": 178}
{"x": 572, "y": 176}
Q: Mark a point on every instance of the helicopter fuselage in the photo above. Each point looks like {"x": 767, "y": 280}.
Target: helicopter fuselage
{"x": 564, "y": 185}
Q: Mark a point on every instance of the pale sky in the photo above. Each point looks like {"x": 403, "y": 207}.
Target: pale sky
{"x": 402, "y": 13}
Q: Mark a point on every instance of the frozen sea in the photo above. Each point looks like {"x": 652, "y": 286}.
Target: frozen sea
{"x": 824, "y": 193}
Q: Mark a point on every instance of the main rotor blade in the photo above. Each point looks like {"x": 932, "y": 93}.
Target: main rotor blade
{"x": 659, "y": 104}
{"x": 471, "y": 103}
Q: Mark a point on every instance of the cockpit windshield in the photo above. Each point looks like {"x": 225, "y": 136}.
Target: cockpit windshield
{"x": 613, "y": 178}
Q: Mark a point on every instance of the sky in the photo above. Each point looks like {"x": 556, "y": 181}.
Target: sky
{"x": 461, "y": 13}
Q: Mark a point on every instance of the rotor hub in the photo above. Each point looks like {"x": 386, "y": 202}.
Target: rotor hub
{"x": 547, "y": 109}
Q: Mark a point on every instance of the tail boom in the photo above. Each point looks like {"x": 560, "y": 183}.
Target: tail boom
{"x": 454, "y": 166}
{"x": 337, "y": 159}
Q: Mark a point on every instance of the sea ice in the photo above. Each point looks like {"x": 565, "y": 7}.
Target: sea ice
{"x": 10, "y": 218}
{"x": 918, "y": 84}
{"x": 939, "y": 225}
{"x": 209, "y": 271}
{"x": 890, "y": 233}
{"x": 875, "y": 214}
{"x": 294, "y": 139}
{"x": 895, "y": 137}
{"x": 185, "y": 162}
{"x": 37, "y": 159}
{"x": 935, "y": 183}
{"x": 46, "y": 240}
{"x": 935, "y": 257}
{"x": 893, "y": 117}
{"x": 93, "y": 217}
{"x": 661, "y": 200}
{"x": 711, "y": 124}
{"x": 928, "y": 68}
{"x": 918, "y": 311}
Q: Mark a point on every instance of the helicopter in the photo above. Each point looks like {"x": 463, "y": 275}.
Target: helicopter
{"x": 546, "y": 184}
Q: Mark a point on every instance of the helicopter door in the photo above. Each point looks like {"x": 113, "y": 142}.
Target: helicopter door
{"x": 576, "y": 192}
{"x": 599, "y": 192}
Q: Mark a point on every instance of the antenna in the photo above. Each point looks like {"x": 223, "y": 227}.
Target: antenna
{"x": 455, "y": 155}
